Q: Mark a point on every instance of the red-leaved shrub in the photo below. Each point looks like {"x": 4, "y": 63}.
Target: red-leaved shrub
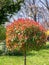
{"x": 25, "y": 34}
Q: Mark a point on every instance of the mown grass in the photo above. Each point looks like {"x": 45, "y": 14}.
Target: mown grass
{"x": 33, "y": 58}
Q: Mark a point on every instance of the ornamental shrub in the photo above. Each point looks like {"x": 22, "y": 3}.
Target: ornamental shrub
{"x": 25, "y": 34}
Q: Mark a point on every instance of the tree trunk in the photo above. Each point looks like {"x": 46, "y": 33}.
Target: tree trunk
{"x": 25, "y": 57}
{"x": 35, "y": 17}
{"x": 35, "y": 10}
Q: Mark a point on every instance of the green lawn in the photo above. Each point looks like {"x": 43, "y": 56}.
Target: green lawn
{"x": 34, "y": 58}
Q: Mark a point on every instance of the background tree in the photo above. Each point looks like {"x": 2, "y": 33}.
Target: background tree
{"x": 45, "y": 4}
{"x": 7, "y": 8}
{"x": 36, "y": 10}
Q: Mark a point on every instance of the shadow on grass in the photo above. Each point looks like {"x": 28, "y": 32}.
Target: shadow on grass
{"x": 21, "y": 54}
{"x": 32, "y": 53}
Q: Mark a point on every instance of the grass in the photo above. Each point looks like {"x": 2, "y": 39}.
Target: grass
{"x": 33, "y": 58}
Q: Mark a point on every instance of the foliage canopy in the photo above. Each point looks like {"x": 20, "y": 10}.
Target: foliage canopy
{"x": 25, "y": 34}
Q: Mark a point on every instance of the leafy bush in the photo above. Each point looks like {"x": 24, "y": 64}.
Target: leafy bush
{"x": 2, "y": 33}
{"x": 2, "y": 48}
{"x": 25, "y": 34}
{"x": 1, "y": 52}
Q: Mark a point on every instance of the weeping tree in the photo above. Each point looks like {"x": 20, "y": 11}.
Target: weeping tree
{"x": 8, "y": 7}
{"x": 25, "y": 35}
